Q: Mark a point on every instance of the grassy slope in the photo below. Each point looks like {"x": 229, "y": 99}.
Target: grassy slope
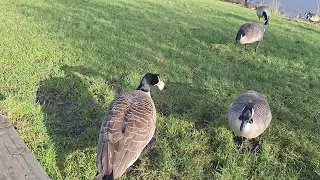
{"x": 63, "y": 62}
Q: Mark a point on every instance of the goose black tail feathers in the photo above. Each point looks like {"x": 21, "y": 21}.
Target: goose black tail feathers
{"x": 108, "y": 176}
{"x": 105, "y": 177}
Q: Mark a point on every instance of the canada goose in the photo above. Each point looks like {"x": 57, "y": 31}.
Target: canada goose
{"x": 249, "y": 5}
{"x": 264, "y": 11}
{"x": 249, "y": 33}
{"x": 127, "y": 128}
{"x": 249, "y": 116}
{"x": 313, "y": 16}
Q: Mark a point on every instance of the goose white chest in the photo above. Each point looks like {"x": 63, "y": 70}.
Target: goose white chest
{"x": 235, "y": 123}
{"x": 235, "y": 127}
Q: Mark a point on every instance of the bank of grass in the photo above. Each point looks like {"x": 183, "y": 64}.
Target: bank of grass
{"x": 234, "y": 1}
{"x": 63, "y": 62}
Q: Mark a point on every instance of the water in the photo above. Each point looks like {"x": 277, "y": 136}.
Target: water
{"x": 292, "y": 8}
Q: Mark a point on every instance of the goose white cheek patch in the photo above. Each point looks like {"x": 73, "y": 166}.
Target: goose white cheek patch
{"x": 160, "y": 85}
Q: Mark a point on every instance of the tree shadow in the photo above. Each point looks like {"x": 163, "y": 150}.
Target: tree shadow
{"x": 113, "y": 18}
{"x": 72, "y": 115}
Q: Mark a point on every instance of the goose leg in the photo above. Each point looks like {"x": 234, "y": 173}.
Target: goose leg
{"x": 153, "y": 139}
{"x": 238, "y": 140}
{"x": 257, "y": 46}
{"x": 245, "y": 47}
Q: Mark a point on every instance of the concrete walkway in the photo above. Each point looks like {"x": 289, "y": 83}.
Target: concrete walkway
{"x": 16, "y": 159}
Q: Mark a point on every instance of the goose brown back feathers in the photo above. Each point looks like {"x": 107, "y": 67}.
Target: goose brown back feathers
{"x": 127, "y": 128}
{"x": 252, "y": 32}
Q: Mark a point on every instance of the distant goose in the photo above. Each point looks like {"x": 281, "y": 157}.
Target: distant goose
{"x": 265, "y": 12}
{"x": 249, "y": 116}
{"x": 250, "y": 33}
{"x": 127, "y": 128}
{"x": 313, "y": 16}
{"x": 249, "y": 5}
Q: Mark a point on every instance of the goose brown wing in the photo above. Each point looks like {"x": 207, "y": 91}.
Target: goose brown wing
{"x": 263, "y": 112}
{"x": 126, "y": 130}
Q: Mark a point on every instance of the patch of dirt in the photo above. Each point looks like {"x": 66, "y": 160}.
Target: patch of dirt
{"x": 200, "y": 124}
{"x": 36, "y": 60}
{"x": 48, "y": 75}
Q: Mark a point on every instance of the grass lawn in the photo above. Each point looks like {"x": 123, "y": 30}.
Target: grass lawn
{"x": 62, "y": 62}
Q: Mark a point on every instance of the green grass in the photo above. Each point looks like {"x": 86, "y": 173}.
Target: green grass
{"x": 62, "y": 62}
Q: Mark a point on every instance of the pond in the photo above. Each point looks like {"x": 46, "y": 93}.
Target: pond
{"x": 293, "y": 8}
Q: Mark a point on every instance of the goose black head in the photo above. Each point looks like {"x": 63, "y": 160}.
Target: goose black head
{"x": 266, "y": 18}
{"x": 150, "y": 79}
{"x": 308, "y": 15}
{"x": 246, "y": 116}
{"x": 240, "y": 34}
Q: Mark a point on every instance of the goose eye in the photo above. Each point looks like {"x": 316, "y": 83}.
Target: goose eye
{"x": 251, "y": 121}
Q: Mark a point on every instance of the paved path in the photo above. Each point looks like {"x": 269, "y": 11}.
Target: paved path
{"x": 16, "y": 159}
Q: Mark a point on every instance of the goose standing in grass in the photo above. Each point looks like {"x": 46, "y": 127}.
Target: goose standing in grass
{"x": 127, "y": 128}
{"x": 313, "y": 16}
{"x": 249, "y": 5}
{"x": 248, "y": 117}
{"x": 250, "y": 33}
{"x": 265, "y": 12}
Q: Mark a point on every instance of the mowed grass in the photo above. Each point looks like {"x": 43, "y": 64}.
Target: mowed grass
{"x": 62, "y": 62}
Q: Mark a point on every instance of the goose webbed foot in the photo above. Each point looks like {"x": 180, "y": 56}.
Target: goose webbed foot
{"x": 256, "y": 147}
{"x": 238, "y": 140}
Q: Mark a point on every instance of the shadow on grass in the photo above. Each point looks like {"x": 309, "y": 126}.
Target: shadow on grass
{"x": 2, "y": 97}
{"x": 72, "y": 116}
{"x": 188, "y": 100}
